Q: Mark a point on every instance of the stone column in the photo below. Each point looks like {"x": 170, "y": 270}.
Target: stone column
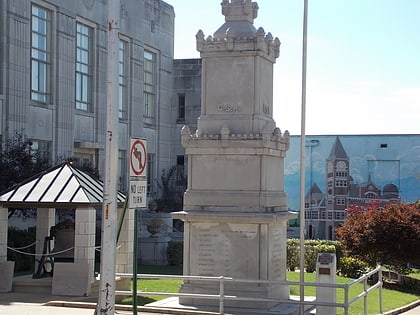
{"x": 45, "y": 219}
{"x": 84, "y": 238}
{"x": 3, "y": 234}
{"x": 6, "y": 267}
{"x": 125, "y": 243}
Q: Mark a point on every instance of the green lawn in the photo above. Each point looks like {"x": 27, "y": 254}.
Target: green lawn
{"x": 391, "y": 299}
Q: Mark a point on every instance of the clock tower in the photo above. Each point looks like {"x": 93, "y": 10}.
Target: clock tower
{"x": 338, "y": 175}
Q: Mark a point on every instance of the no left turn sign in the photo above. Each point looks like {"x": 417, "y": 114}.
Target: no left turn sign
{"x": 138, "y": 157}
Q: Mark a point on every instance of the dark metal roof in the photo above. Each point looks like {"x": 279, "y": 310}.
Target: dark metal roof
{"x": 337, "y": 151}
{"x": 62, "y": 186}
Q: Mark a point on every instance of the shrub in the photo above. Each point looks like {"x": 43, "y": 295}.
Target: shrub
{"x": 310, "y": 257}
{"x": 293, "y": 249}
{"x": 312, "y": 248}
{"x": 352, "y": 267}
{"x": 175, "y": 252}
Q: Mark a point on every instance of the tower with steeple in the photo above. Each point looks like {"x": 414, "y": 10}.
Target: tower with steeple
{"x": 338, "y": 184}
{"x": 235, "y": 208}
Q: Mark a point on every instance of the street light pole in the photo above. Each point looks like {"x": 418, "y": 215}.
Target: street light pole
{"x": 302, "y": 159}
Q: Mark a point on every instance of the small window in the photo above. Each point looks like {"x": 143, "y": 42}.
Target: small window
{"x": 180, "y": 160}
{"x": 181, "y": 107}
{"x": 384, "y": 145}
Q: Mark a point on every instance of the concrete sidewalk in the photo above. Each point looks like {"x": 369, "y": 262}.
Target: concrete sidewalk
{"x": 43, "y": 304}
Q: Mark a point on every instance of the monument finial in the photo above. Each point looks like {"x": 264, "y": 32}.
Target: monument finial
{"x": 239, "y": 10}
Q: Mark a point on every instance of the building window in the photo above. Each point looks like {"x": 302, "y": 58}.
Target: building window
{"x": 341, "y": 174}
{"x": 122, "y": 79}
{"x": 181, "y": 107}
{"x": 341, "y": 183}
{"x": 41, "y": 149}
{"x": 341, "y": 201}
{"x": 83, "y": 65}
{"x": 86, "y": 159}
{"x": 370, "y": 195}
{"x": 150, "y": 174}
{"x": 149, "y": 90}
{"x": 40, "y": 54}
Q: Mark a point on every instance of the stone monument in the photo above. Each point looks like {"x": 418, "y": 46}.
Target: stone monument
{"x": 235, "y": 208}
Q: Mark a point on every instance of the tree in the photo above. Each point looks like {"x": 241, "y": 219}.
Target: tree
{"x": 172, "y": 186}
{"x": 18, "y": 162}
{"x": 389, "y": 235}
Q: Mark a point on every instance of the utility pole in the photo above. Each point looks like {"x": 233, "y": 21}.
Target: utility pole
{"x": 106, "y": 299}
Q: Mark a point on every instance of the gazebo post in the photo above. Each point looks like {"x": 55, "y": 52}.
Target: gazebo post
{"x": 3, "y": 233}
{"x": 84, "y": 238}
{"x": 45, "y": 219}
{"x": 6, "y": 267}
{"x": 124, "y": 263}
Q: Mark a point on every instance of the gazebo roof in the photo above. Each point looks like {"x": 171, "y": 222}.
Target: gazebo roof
{"x": 61, "y": 186}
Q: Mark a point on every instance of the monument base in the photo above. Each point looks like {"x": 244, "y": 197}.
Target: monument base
{"x": 252, "y": 291}
{"x": 288, "y": 307}
{"x": 241, "y": 246}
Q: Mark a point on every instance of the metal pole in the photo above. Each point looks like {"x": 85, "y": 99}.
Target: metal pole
{"x": 106, "y": 297}
{"x": 222, "y": 296}
{"x": 135, "y": 262}
{"x": 302, "y": 160}
{"x": 380, "y": 290}
{"x": 365, "y": 298}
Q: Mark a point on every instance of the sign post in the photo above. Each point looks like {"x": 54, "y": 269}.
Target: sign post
{"x": 137, "y": 195}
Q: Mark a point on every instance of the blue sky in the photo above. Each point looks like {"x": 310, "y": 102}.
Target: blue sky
{"x": 363, "y": 70}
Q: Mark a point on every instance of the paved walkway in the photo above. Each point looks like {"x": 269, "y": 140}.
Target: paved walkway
{"x": 41, "y": 304}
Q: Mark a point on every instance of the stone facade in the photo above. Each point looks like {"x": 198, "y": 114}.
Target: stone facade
{"x": 50, "y": 115}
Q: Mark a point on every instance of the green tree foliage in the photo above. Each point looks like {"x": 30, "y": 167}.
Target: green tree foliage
{"x": 18, "y": 162}
{"x": 389, "y": 235}
{"x": 174, "y": 252}
{"x": 172, "y": 186}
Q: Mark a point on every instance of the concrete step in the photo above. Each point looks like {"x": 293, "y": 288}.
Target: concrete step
{"x": 25, "y": 284}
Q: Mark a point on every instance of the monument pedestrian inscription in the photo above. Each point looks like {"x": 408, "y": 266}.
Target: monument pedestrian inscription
{"x": 219, "y": 249}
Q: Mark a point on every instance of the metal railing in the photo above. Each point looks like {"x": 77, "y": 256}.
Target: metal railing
{"x": 222, "y": 297}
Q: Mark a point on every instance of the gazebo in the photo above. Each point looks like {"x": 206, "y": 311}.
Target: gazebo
{"x": 64, "y": 187}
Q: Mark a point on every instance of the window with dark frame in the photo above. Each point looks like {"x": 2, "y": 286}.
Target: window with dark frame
{"x": 181, "y": 107}
{"x": 40, "y": 54}
{"x": 83, "y": 65}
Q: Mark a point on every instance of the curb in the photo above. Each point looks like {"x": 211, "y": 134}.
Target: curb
{"x": 403, "y": 309}
{"x": 120, "y": 307}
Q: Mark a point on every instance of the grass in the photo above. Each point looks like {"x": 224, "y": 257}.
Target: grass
{"x": 155, "y": 285}
{"x": 391, "y": 299}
